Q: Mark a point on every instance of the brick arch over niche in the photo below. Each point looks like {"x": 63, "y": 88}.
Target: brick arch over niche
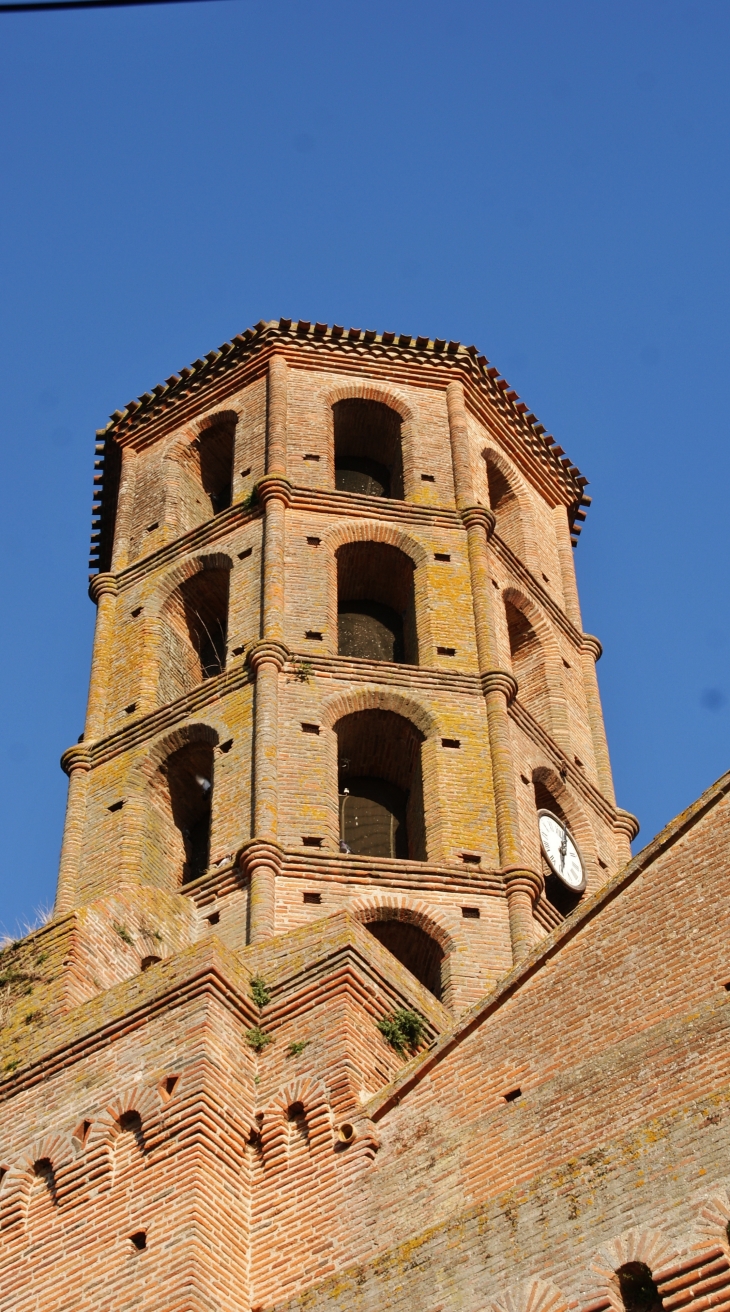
{"x": 191, "y": 625}
{"x": 425, "y": 946}
{"x": 711, "y": 1227}
{"x": 509, "y": 500}
{"x": 178, "y": 775}
{"x": 648, "y": 1247}
{"x": 376, "y": 698}
{"x": 531, "y": 1296}
{"x": 196, "y": 487}
{"x": 536, "y": 664}
{"x": 341, "y": 535}
{"x": 17, "y": 1182}
{"x": 381, "y": 394}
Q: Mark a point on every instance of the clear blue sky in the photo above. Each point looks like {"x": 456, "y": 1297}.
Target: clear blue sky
{"x": 548, "y": 180}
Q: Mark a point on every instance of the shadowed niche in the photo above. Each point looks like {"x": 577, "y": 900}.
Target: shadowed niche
{"x": 375, "y": 602}
{"x": 216, "y": 445}
{"x": 380, "y": 785}
{"x": 368, "y": 456}
{"x": 189, "y": 773}
{"x": 639, "y": 1292}
{"x": 414, "y": 948}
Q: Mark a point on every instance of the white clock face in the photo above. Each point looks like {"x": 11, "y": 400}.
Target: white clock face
{"x": 561, "y": 851}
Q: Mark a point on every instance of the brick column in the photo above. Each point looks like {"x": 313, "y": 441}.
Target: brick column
{"x": 76, "y": 762}
{"x": 523, "y": 889}
{"x": 125, "y": 505}
{"x": 567, "y": 566}
{"x": 103, "y": 591}
{"x": 590, "y": 652}
{"x": 499, "y": 686}
{"x": 266, "y": 658}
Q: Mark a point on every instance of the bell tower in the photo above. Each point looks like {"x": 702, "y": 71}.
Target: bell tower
{"x": 339, "y": 662}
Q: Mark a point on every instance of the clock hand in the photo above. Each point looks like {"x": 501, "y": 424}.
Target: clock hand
{"x": 563, "y": 847}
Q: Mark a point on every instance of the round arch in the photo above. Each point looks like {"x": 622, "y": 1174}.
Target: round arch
{"x": 376, "y": 698}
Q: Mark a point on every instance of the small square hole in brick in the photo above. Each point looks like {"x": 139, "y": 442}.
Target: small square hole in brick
{"x": 566, "y": 663}
{"x": 238, "y": 651}
{"x": 132, "y": 707}
{"x": 151, "y": 527}
{"x": 545, "y": 578}
{"x": 213, "y": 918}
{"x": 602, "y": 864}
{"x": 314, "y": 635}
{"x": 169, "y": 1085}
{"x": 446, "y": 651}
{"x": 136, "y": 612}
{"x": 471, "y": 858}
{"x": 427, "y": 478}
{"x": 495, "y": 583}
{"x": 245, "y": 472}
{"x": 442, "y": 555}
{"x": 451, "y": 742}
{"x": 470, "y": 913}
{"x": 525, "y": 780}
{"x": 727, "y": 987}
{"x": 117, "y": 806}
{"x": 312, "y": 842}
{"x": 244, "y": 555}
{"x": 310, "y": 728}
{"x": 313, "y": 899}
{"x": 226, "y": 746}
{"x": 139, "y": 1239}
{"x": 310, "y": 456}
{"x": 578, "y": 761}
{"x": 314, "y": 542}
{"x": 513, "y": 1095}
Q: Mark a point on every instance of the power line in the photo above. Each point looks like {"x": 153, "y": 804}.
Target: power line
{"x": 36, "y": 6}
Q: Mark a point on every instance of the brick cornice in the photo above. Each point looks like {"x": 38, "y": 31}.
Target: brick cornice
{"x": 574, "y": 776}
{"x": 201, "y": 536}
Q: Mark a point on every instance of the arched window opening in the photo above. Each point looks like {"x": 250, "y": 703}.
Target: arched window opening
{"x": 375, "y": 602}
{"x": 189, "y": 773}
{"x": 638, "y": 1288}
{"x": 528, "y": 664}
{"x": 558, "y": 894}
{"x": 368, "y": 456}
{"x": 205, "y": 605}
{"x": 216, "y": 461}
{"x": 506, "y": 507}
{"x": 414, "y": 948}
{"x": 194, "y": 633}
{"x": 380, "y": 786}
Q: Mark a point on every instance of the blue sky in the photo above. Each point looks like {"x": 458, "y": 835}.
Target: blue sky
{"x": 547, "y": 180}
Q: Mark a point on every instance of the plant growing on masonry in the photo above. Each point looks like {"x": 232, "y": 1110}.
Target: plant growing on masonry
{"x": 258, "y": 1039}
{"x": 304, "y": 671}
{"x": 296, "y": 1048}
{"x": 259, "y": 991}
{"x": 124, "y": 934}
{"x": 403, "y": 1030}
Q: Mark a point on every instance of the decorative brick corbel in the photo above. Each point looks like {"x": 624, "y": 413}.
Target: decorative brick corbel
{"x": 273, "y": 487}
{"x": 480, "y": 517}
{"x": 523, "y": 890}
{"x": 267, "y": 653}
{"x": 625, "y": 823}
{"x": 103, "y": 585}
{"x": 591, "y": 644}
{"x": 500, "y": 681}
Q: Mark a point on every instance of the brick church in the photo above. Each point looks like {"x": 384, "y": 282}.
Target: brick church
{"x": 354, "y": 997}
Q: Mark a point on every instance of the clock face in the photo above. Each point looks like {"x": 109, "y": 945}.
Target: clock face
{"x": 561, "y": 851}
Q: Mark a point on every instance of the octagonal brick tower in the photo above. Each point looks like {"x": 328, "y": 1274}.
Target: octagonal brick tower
{"x": 339, "y": 661}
